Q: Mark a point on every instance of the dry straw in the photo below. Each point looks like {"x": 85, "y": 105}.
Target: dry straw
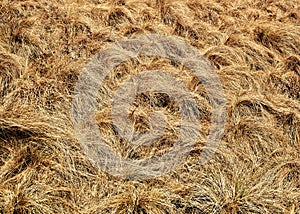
{"x": 254, "y": 47}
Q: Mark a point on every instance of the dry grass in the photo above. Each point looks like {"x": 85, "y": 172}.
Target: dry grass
{"x": 255, "y": 49}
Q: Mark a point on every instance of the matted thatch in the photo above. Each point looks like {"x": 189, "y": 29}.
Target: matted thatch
{"x": 254, "y": 47}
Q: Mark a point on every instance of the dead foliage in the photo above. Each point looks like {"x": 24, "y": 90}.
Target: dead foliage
{"x": 254, "y": 47}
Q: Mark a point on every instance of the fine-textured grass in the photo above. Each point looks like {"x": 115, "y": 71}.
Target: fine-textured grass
{"x": 254, "y": 47}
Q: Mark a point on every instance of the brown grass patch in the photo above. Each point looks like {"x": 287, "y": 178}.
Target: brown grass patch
{"x": 254, "y": 47}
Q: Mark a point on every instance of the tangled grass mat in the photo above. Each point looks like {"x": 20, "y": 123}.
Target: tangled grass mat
{"x": 254, "y": 47}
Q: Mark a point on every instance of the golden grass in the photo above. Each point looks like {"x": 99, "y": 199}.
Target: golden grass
{"x": 254, "y": 47}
